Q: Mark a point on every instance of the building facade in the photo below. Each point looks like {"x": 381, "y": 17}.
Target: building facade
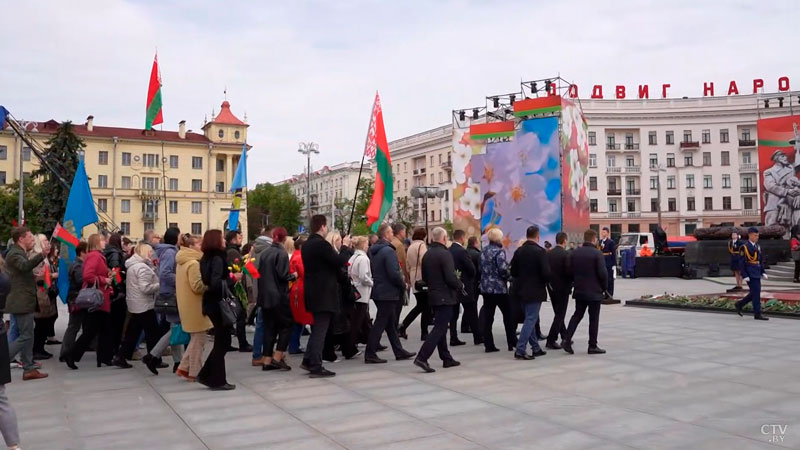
{"x": 143, "y": 180}
{"x": 327, "y": 188}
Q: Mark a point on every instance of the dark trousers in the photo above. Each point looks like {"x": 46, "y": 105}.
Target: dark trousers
{"x": 277, "y": 329}
{"x": 797, "y": 269}
{"x": 437, "y": 338}
{"x": 359, "y": 323}
{"x": 213, "y": 372}
{"x": 241, "y": 331}
{"x": 610, "y": 271}
{"x": 74, "y": 325}
{"x": 753, "y": 296}
{"x": 469, "y": 321}
{"x": 421, "y": 308}
{"x": 454, "y": 322}
{"x": 96, "y": 324}
{"x": 116, "y": 322}
{"x": 139, "y": 322}
{"x": 594, "y": 319}
{"x": 490, "y": 303}
{"x": 294, "y": 339}
{"x": 560, "y": 302}
{"x": 385, "y": 320}
{"x": 313, "y": 356}
{"x": 347, "y": 347}
{"x": 43, "y": 328}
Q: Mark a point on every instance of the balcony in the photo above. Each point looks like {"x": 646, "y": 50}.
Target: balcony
{"x": 149, "y": 216}
{"x": 633, "y": 169}
{"x": 690, "y": 145}
{"x": 632, "y": 146}
{"x": 612, "y": 146}
{"x": 613, "y": 169}
{"x": 614, "y": 215}
{"x": 748, "y": 189}
{"x": 420, "y": 171}
{"x": 750, "y": 212}
{"x": 633, "y": 192}
{"x": 149, "y": 194}
{"x": 748, "y": 167}
{"x": 447, "y": 165}
{"x": 614, "y": 192}
{"x": 747, "y": 142}
{"x": 634, "y": 215}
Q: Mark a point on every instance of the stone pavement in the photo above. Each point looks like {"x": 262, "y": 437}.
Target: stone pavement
{"x": 671, "y": 379}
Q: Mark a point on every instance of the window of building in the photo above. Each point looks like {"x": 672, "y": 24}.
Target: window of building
{"x": 652, "y": 138}
{"x": 150, "y": 160}
{"x": 671, "y": 205}
{"x": 220, "y": 187}
{"x": 173, "y": 207}
{"x": 690, "y": 203}
{"x": 126, "y": 159}
{"x": 433, "y": 180}
{"x": 3, "y": 178}
{"x": 688, "y": 160}
{"x": 3, "y": 152}
{"x": 725, "y": 158}
{"x": 628, "y": 140}
{"x": 748, "y": 202}
{"x": 197, "y": 207}
{"x": 405, "y": 166}
{"x": 173, "y": 184}
{"x": 197, "y": 228}
{"x": 726, "y": 203}
{"x": 197, "y": 162}
{"x": 706, "y": 135}
{"x": 670, "y": 159}
{"x": 173, "y": 161}
{"x": 197, "y": 185}
{"x": 671, "y": 182}
{"x": 629, "y": 161}
{"x": 631, "y": 205}
{"x": 687, "y": 135}
{"x": 654, "y": 204}
{"x": 653, "y": 160}
{"x": 593, "y": 205}
{"x": 405, "y": 184}
{"x": 441, "y": 176}
{"x": 653, "y": 182}
{"x": 592, "y": 160}
{"x": 237, "y": 135}
{"x": 221, "y": 134}
{"x": 723, "y": 135}
{"x": 745, "y": 134}
{"x": 612, "y": 184}
{"x": 592, "y": 183}
{"x": 689, "y": 229}
{"x": 726, "y": 181}
{"x": 150, "y": 183}
{"x": 125, "y": 228}
{"x": 706, "y": 158}
{"x": 707, "y": 181}
{"x": 633, "y": 228}
{"x": 592, "y": 138}
{"x": 102, "y": 181}
{"x": 125, "y": 206}
{"x": 708, "y": 203}
{"x": 746, "y": 158}
{"x": 670, "y": 138}
{"x": 149, "y": 226}
{"x": 126, "y": 183}
{"x": 26, "y": 153}
{"x": 611, "y": 161}
{"x": 102, "y": 204}
{"x": 173, "y": 224}
{"x": 747, "y": 182}
{"x": 690, "y": 181}
{"x": 610, "y": 141}
{"x": 220, "y": 165}
{"x": 612, "y": 206}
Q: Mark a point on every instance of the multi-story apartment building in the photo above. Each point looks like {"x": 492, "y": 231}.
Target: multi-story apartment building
{"x": 327, "y": 186}
{"x": 144, "y": 180}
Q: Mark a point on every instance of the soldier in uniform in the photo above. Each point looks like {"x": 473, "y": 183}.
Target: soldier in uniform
{"x": 753, "y": 271}
{"x": 735, "y": 250}
{"x": 782, "y": 191}
{"x": 609, "y": 249}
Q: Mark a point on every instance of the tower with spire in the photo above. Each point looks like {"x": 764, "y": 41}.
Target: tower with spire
{"x": 225, "y": 127}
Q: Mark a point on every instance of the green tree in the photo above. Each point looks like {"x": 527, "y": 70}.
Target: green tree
{"x": 277, "y": 202}
{"x": 448, "y": 225}
{"x": 343, "y": 207}
{"x": 403, "y": 212}
{"x": 9, "y": 202}
{"x": 366, "y": 187}
{"x": 62, "y": 154}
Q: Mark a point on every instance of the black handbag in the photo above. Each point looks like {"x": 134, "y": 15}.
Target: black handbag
{"x": 228, "y": 306}
{"x": 166, "y": 304}
{"x": 89, "y": 298}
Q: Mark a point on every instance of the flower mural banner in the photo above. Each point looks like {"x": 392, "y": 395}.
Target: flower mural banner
{"x": 574, "y": 171}
{"x": 466, "y": 194}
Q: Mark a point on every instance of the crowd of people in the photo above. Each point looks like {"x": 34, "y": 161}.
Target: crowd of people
{"x": 171, "y": 292}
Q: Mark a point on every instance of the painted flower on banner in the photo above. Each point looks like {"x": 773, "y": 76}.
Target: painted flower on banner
{"x": 577, "y": 179}
{"x": 462, "y": 152}
{"x": 471, "y": 200}
{"x": 573, "y": 121}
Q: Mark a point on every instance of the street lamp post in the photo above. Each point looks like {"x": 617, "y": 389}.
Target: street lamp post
{"x": 307, "y": 148}
{"x": 425, "y": 193}
{"x": 659, "y": 168}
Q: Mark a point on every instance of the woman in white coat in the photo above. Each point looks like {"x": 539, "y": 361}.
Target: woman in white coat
{"x": 361, "y": 276}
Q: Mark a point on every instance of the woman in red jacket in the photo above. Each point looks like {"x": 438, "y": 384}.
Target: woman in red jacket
{"x": 95, "y": 272}
{"x": 297, "y": 288}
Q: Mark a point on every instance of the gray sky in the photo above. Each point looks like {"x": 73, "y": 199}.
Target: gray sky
{"x": 308, "y": 71}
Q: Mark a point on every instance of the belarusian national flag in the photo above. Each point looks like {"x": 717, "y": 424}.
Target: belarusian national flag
{"x": 250, "y": 269}
{"x": 116, "y": 276}
{"x": 378, "y": 147}
{"x": 154, "y": 116}
{"x": 63, "y": 235}
{"x": 48, "y": 278}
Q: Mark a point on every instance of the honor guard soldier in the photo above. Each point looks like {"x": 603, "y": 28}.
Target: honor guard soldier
{"x": 752, "y": 271}
{"x": 609, "y": 249}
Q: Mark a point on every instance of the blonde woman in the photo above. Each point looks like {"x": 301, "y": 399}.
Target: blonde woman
{"x": 335, "y": 239}
{"x": 361, "y": 275}
{"x": 289, "y": 246}
{"x": 45, "y": 317}
{"x": 189, "y": 289}
{"x": 494, "y": 287}
{"x": 141, "y": 285}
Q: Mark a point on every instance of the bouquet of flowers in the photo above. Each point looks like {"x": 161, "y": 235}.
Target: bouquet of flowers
{"x": 246, "y": 266}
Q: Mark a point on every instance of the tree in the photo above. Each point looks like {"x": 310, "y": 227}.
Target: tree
{"x": 342, "y": 208}
{"x": 9, "y": 202}
{"x": 403, "y": 212}
{"x": 62, "y": 154}
{"x": 366, "y": 187}
{"x": 448, "y": 225}
{"x": 278, "y": 202}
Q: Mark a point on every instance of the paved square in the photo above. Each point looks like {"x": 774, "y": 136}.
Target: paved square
{"x": 670, "y": 379}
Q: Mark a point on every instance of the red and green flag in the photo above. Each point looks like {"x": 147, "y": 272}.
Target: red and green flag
{"x": 154, "y": 116}
{"x": 537, "y": 105}
{"x": 48, "y": 277}
{"x": 116, "y": 276}
{"x": 63, "y": 235}
{"x": 377, "y": 147}
{"x": 493, "y": 130}
{"x": 250, "y": 269}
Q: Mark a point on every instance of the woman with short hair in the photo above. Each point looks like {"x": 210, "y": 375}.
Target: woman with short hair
{"x": 414, "y": 256}
{"x": 494, "y": 287}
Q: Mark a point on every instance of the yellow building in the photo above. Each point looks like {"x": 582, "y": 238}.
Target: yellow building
{"x": 145, "y": 180}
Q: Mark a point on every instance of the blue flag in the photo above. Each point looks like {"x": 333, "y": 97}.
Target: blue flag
{"x": 238, "y": 184}
{"x": 79, "y": 213}
{"x": 3, "y": 114}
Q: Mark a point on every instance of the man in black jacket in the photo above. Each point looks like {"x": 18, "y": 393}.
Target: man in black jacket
{"x": 322, "y": 271}
{"x": 588, "y": 269}
{"x": 388, "y": 285}
{"x": 474, "y": 256}
{"x": 559, "y": 288}
{"x": 466, "y": 268}
{"x": 233, "y": 251}
{"x": 531, "y": 272}
{"x": 444, "y": 287}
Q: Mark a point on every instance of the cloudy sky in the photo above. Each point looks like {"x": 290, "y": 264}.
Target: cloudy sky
{"x": 308, "y": 71}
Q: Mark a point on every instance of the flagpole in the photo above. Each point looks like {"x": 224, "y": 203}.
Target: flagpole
{"x": 361, "y": 168}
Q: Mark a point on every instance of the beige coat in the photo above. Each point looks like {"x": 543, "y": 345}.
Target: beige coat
{"x": 189, "y": 289}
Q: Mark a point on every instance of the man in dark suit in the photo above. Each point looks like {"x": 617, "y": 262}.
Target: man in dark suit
{"x": 323, "y": 268}
{"x": 752, "y": 271}
{"x": 388, "y": 285}
{"x": 439, "y": 274}
{"x": 609, "y": 249}
{"x": 474, "y": 256}
{"x": 559, "y": 289}
{"x": 588, "y": 269}
{"x": 466, "y": 268}
{"x": 531, "y": 272}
